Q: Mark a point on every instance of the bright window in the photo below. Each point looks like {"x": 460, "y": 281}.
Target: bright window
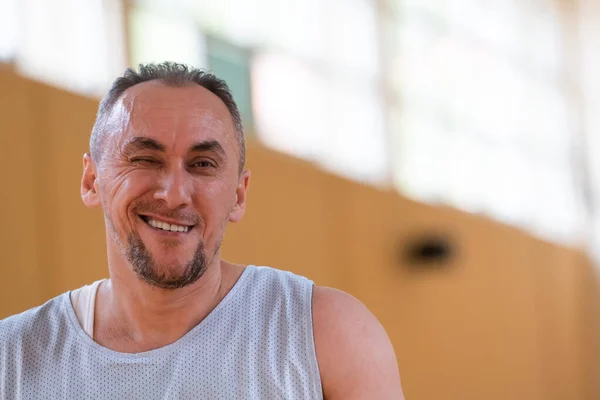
{"x": 157, "y": 36}
{"x": 482, "y": 121}
{"x": 9, "y": 29}
{"x": 73, "y": 44}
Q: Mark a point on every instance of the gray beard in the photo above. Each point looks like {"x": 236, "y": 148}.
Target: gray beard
{"x": 144, "y": 266}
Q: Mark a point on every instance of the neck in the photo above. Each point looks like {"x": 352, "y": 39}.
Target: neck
{"x": 134, "y": 316}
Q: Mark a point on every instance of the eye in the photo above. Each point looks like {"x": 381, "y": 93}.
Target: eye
{"x": 144, "y": 161}
{"x": 203, "y": 164}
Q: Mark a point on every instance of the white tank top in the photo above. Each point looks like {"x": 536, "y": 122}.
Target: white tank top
{"x": 256, "y": 344}
{"x": 84, "y": 305}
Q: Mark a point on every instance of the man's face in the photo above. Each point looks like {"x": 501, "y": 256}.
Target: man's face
{"x": 168, "y": 181}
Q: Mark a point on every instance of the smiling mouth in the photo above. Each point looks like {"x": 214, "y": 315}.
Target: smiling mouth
{"x": 154, "y": 223}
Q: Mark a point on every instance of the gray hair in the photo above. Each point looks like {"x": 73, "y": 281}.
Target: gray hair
{"x": 171, "y": 74}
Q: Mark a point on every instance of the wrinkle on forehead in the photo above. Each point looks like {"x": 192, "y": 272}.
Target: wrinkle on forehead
{"x": 153, "y": 96}
{"x": 154, "y": 105}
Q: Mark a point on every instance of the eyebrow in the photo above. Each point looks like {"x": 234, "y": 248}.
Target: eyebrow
{"x": 143, "y": 143}
{"x": 208, "y": 145}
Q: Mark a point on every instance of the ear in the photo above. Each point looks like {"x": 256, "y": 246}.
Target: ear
{"x": 239, "y": 207}
{"x": 89, "y": 183}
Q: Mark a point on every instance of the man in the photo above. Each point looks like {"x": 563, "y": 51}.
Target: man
{"x": 175, "y": 321}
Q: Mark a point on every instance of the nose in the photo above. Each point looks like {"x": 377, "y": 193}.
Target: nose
{"x": 174, "y": 188}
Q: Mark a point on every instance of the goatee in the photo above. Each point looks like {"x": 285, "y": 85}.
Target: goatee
{"x": 144, "y": 265}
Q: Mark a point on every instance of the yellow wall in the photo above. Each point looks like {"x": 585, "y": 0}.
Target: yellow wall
{"x": 509, "y": 317}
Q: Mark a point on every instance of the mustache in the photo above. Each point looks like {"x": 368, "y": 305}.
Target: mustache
{"x": 158, "y": 209}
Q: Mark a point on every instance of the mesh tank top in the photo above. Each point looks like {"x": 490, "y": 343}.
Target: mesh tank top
{"x": 256, "y": 344}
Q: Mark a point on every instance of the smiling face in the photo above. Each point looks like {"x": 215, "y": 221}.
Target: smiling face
{"x": 168, "y": 181}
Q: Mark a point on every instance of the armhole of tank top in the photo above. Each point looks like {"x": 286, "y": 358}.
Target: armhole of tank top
{"x": 84, "y": 304}
{"x": 318, "y": 388}
{"x": 91, "y": 308}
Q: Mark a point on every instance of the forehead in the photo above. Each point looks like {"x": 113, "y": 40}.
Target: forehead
{"x": 173, "y": 115}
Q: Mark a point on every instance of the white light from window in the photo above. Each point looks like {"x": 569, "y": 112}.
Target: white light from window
{"x": 421, "y": 155}
{"x": 9, "y": 29}
{"x": 336, "y": 124}
{"x": 356, "y": 144}
{"x": 290, "y": 106}
{"x": 353, "y": 45}
{"x": 66, "y": 43}
{"x": 156, "y": 37}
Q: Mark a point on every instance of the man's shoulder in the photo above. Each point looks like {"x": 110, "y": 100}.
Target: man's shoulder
{"x": 352, "y": 346}
{"x": 32, "y": 323}
{"x": 333, "y": 309}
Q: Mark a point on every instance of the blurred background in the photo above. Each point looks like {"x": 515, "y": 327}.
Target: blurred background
{"x": 436, "y": 159}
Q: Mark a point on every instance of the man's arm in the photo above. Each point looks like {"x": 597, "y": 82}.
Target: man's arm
{"x": 355, "y": 356}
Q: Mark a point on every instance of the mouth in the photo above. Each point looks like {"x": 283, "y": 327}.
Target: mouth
{"x": 165, "y": 226}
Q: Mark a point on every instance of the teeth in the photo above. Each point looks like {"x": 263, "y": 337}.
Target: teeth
{"x": 167, "y": 227}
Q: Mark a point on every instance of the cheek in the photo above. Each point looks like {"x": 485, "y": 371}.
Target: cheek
{"x": 121, "y": 190}
{"x": 214, "y": 201}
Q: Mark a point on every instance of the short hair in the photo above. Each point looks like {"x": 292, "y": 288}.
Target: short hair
{"x": 171, "y": 74}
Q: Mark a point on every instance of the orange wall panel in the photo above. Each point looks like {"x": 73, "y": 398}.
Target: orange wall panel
{"x": 22, "y": 284}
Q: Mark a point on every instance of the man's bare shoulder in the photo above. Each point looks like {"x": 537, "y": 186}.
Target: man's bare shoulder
{"x": 356, "y": 358}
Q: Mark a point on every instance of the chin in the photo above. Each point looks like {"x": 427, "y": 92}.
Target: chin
{"x": 170, "y": 266}
{"x": 163, "y": 264}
